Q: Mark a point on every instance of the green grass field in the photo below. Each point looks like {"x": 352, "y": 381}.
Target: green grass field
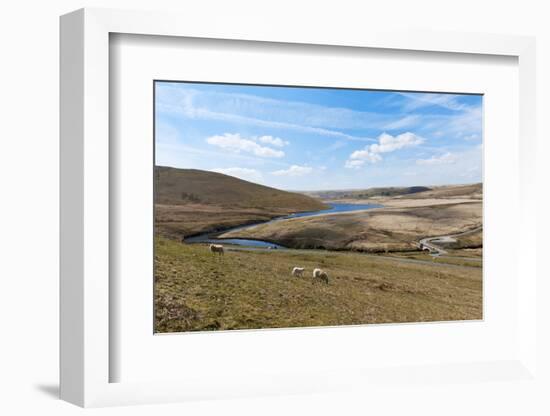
{"x": 196, "y": 290}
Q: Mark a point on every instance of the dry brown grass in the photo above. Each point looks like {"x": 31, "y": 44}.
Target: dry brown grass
{"x": 190, "y": 201}
{"x": 384, "y": 229}
{"x": 183, "y": 220}
{"x": 197, "y": 291}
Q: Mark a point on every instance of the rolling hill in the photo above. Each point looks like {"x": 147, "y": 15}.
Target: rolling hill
{"x": 190, "y": 201}
{"x": 368, "y": 193}
{"x": 407, "y": 215}
{"x": 473, "y": 191}
{"x": 469, "y": 191}
{"x": 184, "y": 186}
{"x": 376, "y": 230}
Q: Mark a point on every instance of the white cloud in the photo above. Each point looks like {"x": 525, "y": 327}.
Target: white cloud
{"x": 386, "y": 143}
{"x": 354, "y": 164}
{"x": 237, "y": 144}
{"x": 241, "y": 173}
{"x": 366, "y": 156}
{"x": 444, "y": 159}
{"x": 294, "y": 170}
{"x": 274, "y": 141}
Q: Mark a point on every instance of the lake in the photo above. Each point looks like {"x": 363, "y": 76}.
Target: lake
{"x": 334, "y": 208}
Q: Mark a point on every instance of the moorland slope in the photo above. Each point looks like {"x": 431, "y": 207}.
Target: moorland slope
{"x": 191, "y": 201}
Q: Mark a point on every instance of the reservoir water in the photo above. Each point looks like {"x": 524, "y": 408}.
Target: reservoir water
{"x": 334, "y": 208}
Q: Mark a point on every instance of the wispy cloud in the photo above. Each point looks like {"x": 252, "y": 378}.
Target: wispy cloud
{"x": 235, "y": 143}
{"x": 443, "y": 116}
{"x": 282, "y": 137}
{"x": 386, "y": 144}
{"x": 418, "y": 100}
{"x": 322, "y": 120}
{"x": 270, "y": 113}
{"x": 444, "y": 159}
{"x": 403, "y": 123}
{"x": 294, "y": 170}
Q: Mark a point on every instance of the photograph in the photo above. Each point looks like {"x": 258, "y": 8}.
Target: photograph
{"x": 282, "y": 206}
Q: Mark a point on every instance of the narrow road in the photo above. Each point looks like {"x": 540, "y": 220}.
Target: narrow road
{"x": 431, "y": 242}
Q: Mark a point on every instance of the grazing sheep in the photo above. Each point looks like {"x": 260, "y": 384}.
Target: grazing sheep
{"x": 321, "y": 275}
{"x": 216, "y": 248}
{"x": 298, "y": 271}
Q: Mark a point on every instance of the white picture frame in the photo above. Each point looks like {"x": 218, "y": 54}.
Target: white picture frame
{"x": 85, "y": 210}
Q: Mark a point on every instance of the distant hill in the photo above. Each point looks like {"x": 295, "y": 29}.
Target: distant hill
{"x": 369, "y": 193}
{"x": 473, "y": 191}
{"x": 470, "y": 191}
{"x": 191, "y": 186}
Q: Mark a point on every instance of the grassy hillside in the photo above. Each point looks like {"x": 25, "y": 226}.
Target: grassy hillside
{"x": 197, "y": 291}
{"x": 184, "y": 186}
{"x": 190, "y": 201}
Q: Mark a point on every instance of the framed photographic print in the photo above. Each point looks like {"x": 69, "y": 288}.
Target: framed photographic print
{"x": 281, "y": 213}
{"x": 280, "y": 206}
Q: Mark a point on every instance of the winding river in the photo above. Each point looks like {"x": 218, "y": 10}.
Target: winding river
{"x": 334, "y": 208}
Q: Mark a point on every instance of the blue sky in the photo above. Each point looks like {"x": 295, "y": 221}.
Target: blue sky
{"x": 315, "y": 138}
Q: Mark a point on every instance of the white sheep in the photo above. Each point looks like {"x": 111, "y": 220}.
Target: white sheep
{"x": 298, "y": 271}
{"x": 216, "y": 248}
{"x": 321, "y": 275}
